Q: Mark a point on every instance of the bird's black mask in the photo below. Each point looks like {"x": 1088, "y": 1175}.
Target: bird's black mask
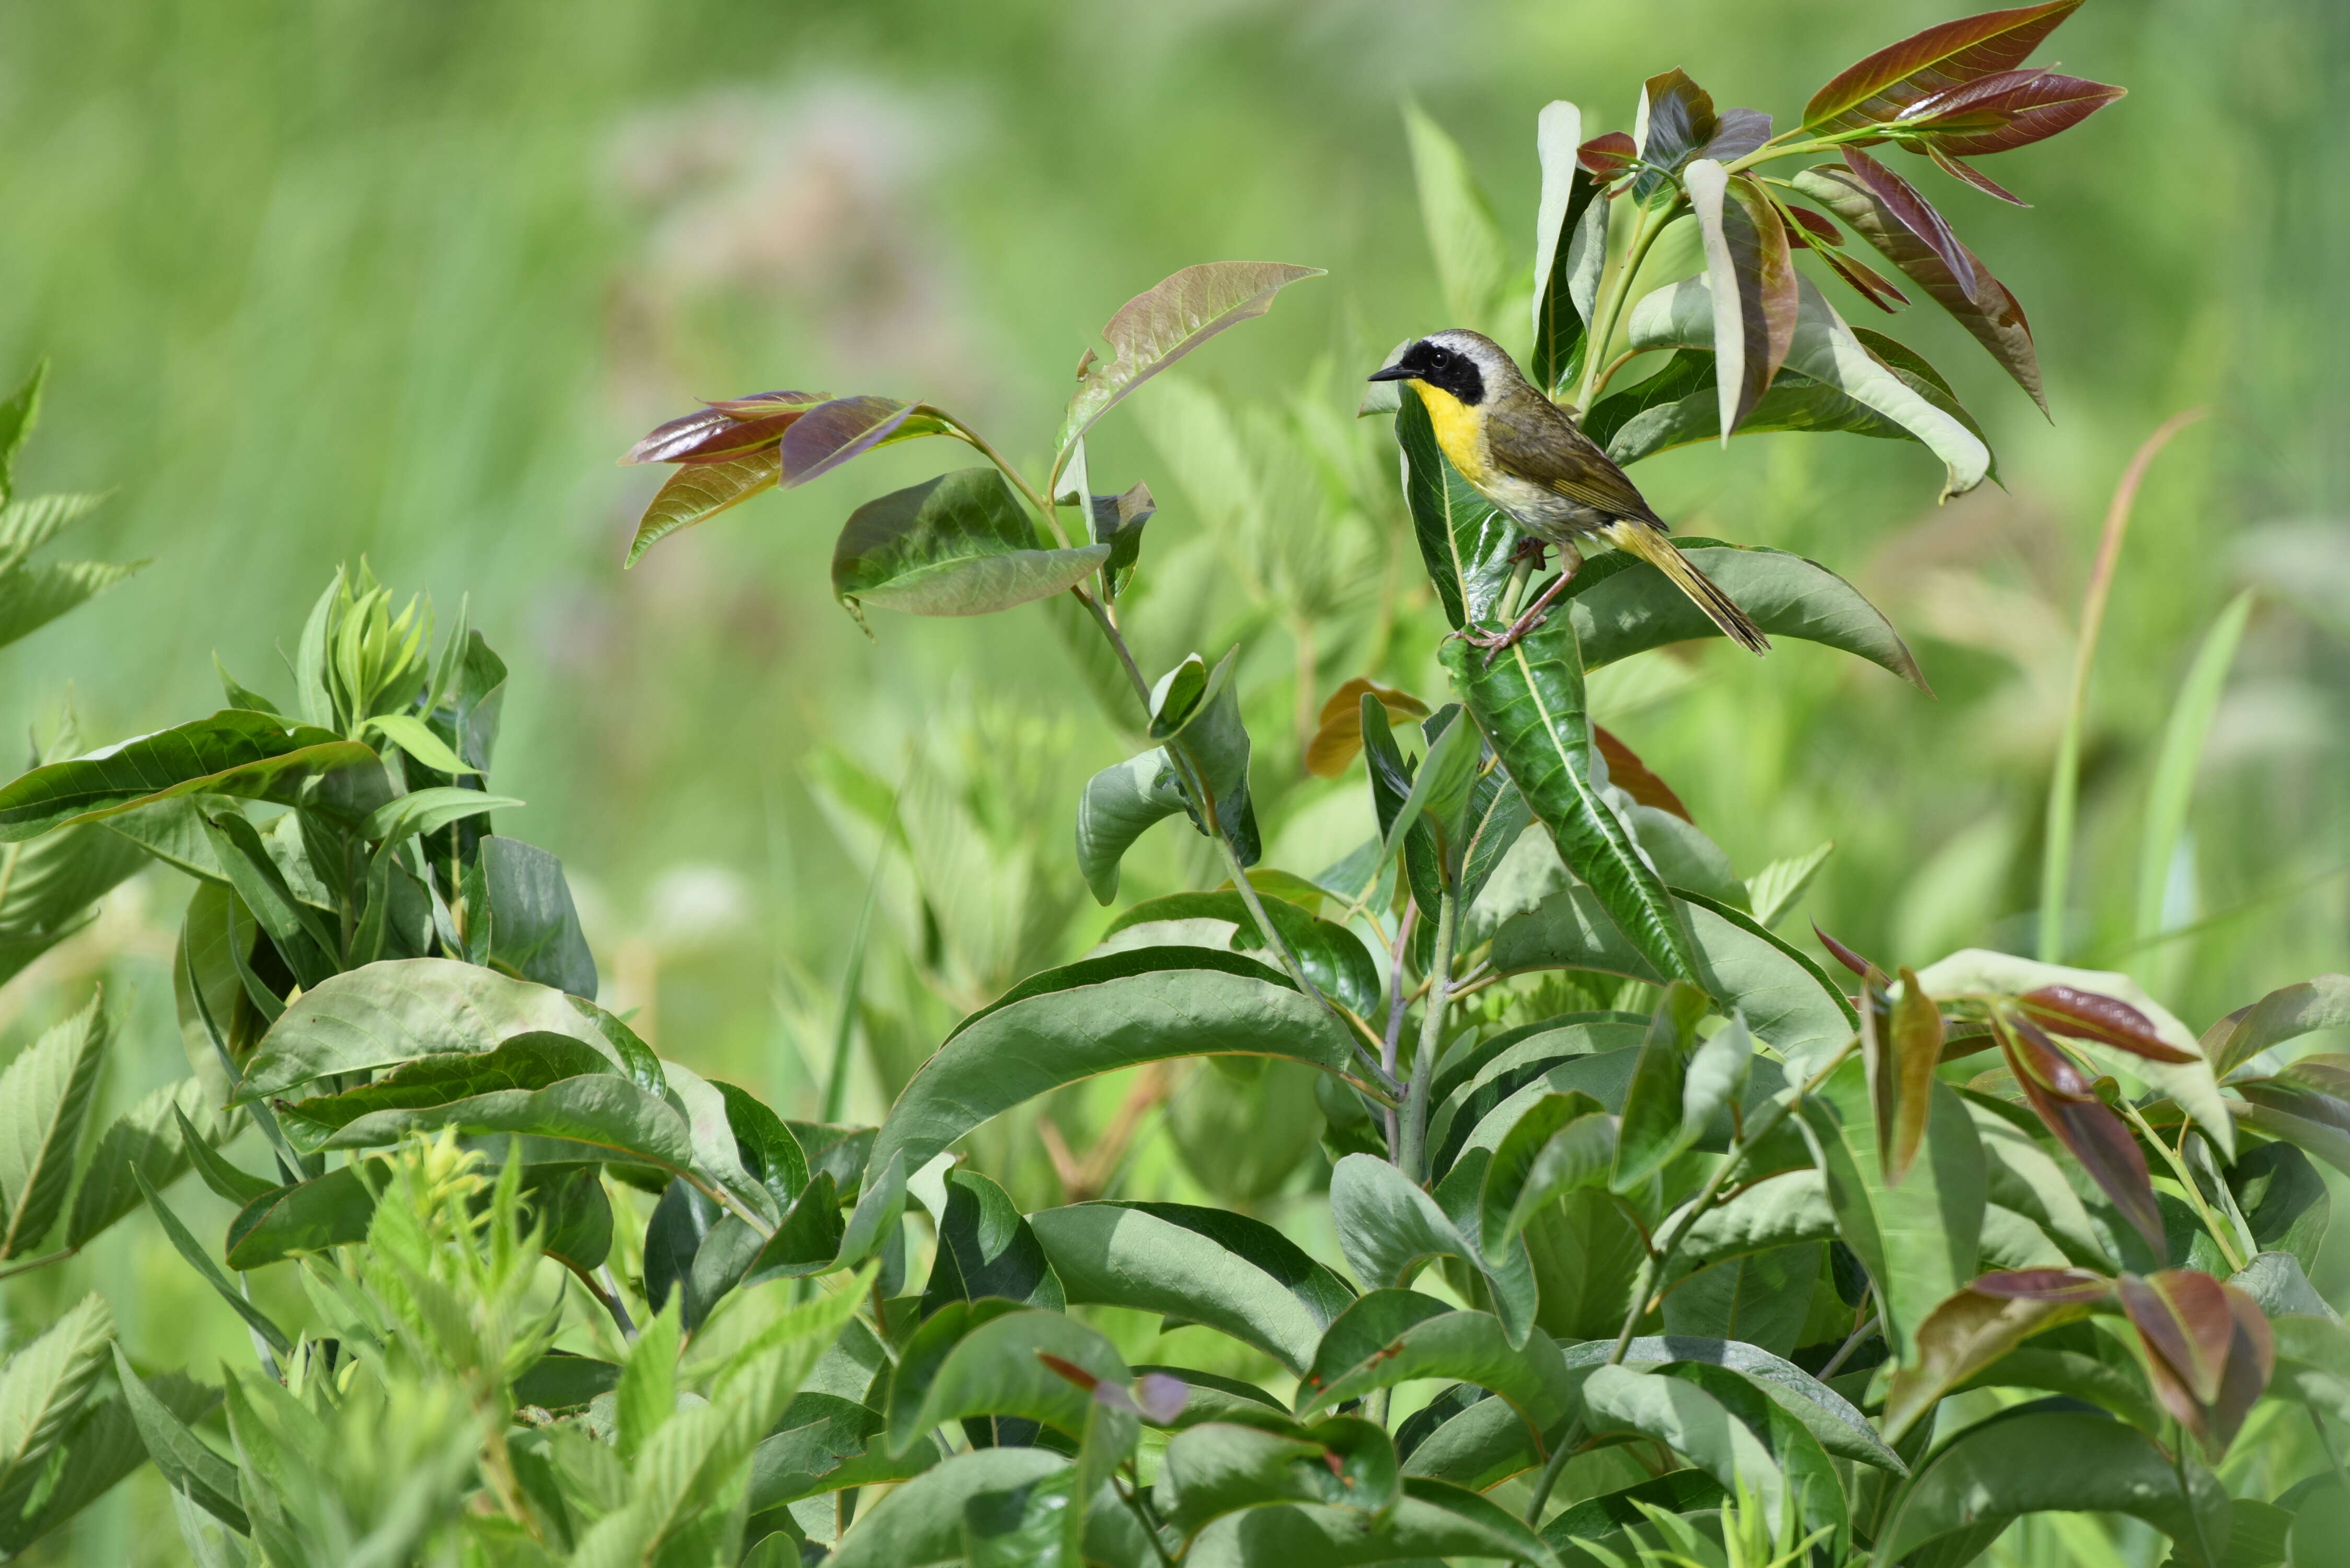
{"x": 1446, "y": 368}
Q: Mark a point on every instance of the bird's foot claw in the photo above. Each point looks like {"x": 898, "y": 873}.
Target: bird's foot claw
{"x": 1493, "y": 642}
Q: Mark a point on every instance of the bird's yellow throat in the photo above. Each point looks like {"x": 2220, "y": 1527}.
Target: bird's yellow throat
{"x": 1460, "y": 430}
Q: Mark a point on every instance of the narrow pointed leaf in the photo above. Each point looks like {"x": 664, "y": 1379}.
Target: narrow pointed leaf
{"x": 1877, "y": 89}
{"x": 235, "y": 752}
{"x": 699, "y": 491}
{"x": 1159, "y": 326}
{"x": 2005, "y": 111}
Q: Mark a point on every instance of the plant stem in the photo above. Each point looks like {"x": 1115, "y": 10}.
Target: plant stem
{"x": 1670, "y": 1235}
{"x": 1393, "y": 1042}
{"x": 43, "y": 1262}
{"x": 1520, "y": 574}
{"x": 1413, "y": 1157}
{"x": 2218, "y": 1231}
{"x": 1876, "y": 1321}
{"x": 1552, "y": 1470}
{"x": 2064, "y": 786}
{"x": 1619, "y": 288}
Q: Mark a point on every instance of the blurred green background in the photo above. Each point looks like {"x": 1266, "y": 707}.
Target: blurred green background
{"x": 334, "y": 279}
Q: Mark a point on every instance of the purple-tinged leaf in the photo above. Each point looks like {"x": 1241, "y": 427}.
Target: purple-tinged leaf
{"x": 2073, "y": 1286}
{"x": 1815, "y": 226}
{"x": 1976, "y": 1327}
{"x": 1972, "y": 176}
{"x": 1739, "y": 132}
{"x": 1917, "y": 1041}
{"x": 2005, "y": 111}
{"x": 1846, "y": 957}
{"x": 1167, "y": 321}
{"x": 1990, "y": 312}
{"x": 1917, "y": 214}
{"x": 1867, "y": 282}
{"x": 699, "y": 491}
{"x": 1607, "y": 156}
{"x": 742, "y": 437}
{"x": 668, "y": 442}
{"x": 1879, "y": 87}
{"x": 722, "y": 429}
{"x": 2065, "y": 1098}
{"x": 759, "y": 404}
{"x": 829, "y": 434}
{"x": 2208, "y": 1349}
{"x": 1677, "y": 121}
{"x": 2085, "y": 1015}
{"x": 1752, "y": 279}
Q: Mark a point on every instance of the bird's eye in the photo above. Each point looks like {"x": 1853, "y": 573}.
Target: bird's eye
{"x": 1439, "y": 358}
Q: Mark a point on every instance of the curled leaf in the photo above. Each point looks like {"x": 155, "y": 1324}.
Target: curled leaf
{"x": 1338, "y": 734}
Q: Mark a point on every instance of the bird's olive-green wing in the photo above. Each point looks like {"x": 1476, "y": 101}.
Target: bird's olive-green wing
{"x": 1532, "y": 438}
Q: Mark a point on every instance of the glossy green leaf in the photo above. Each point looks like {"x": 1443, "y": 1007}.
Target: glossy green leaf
{"x": 1118, "y": 805}
{"x": 1782, "y": 1210}
{"x": 1158, "y": 326}
{"x": 400, "y": 1010}
{"x": 1465, "y": 541}
{"x": 1691, "y": 1423}
{"x": 1333, "y": 956}
{"x": 2035, "y": 1462}
{"x": 1219, "y": 1468}
{"x": 1918, "y": 1239}
{"x": 46, "y": 1095}
{"x": 428, "y": 811}
{"x": 1234, "y": 1275}
{"x": 414, "y": 736}
{"x": 1391, "y": 1336}
{"x": 1841, "y": 1429}
{"x": 1563, "y": 1144}
{"x": 986, "y": 1248}
{"x": 520, "y": 919}
{"x": 532, "y": 1061}
{"x": 920, "y": 1523}
{"x": 1432, "y": 1520}
{"x": 1815, "y": 1492}
{"x": 984, "y": 1358}
{"x": 605, "y": 1116}
{"x": 1096, "y": 1015}
{"x": 1530, "y": 704}
{"x": 960, "y": 544}
{"x": 825, "y": 1443}
{"x": 234, "y": 752}
{"x": 1649, "y": 1132}
{"x": 331, "y": 1210}
{"x": 1388, "y": 1228}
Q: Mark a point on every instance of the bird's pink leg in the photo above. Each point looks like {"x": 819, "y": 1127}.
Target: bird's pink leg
{"x": 1570, "y": 562}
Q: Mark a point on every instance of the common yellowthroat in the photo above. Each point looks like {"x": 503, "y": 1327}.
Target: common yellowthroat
{"x": 1523, "y": 454}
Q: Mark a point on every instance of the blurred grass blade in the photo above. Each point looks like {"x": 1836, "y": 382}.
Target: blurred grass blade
{"x": 2173, "y": 788}
{"x": 1472, "y": 261}
{"x": 2064, "y": 789}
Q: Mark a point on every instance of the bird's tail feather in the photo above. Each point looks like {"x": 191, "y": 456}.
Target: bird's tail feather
{"x": 1652, "y": 546}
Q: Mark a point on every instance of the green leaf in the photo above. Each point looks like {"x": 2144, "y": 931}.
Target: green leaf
{"x": 2172, "y": 787}
{"x": 1761, "y": 1297}
{"x": 809, "y": 1239}
{"x": 1119, "y": 803}
{"x": 1392, "y": 1336}
{"x": 48, "y": 1091}
{"x": 1234, "y": 1275}
{"x": 225, "y": 1178}
{"x": 1973, "y": 1330}
{"x": 32, "y": 597}
{"x": 700, "y": 491}
{"x": 1750, "y": 277}
{"x": 1388, "y": 1228}
{"x": 1472, "y": 261}
{"x": 2285, "y": 1014}
{"x": 1691, "y": 1423}
{"x": 19, "y": 415}
{"x": 188, "y": 1464}
{"x": 1650, "y": 1130}
{"x": 2037, "y": 1461}
{"x": 52, "y": 884}
{"x": 825, "y": 1443}
{"x": 1530, "y": 704}
{"x": 607, "y": 1115}
{"x": 1884, "y": 86}
{"x": 1333, "y": 956}
{"x": 960, "y": 544}
{"x": 1466, "y": 542}
{"x": 877, "y": 1209}
{"x": 1117, "y": 523}
{"x": 1167, "y": 321}
{"x": 1095, "y": 1016}
{"x": 921, "y": 1522}
{"x": 331, "y": 1210}
{"x": 986, "y": 1249}
{"x": 768, "y": 1150}
{"x": 234, "y": 752}
{"x": 520, "y": 919}
{"x": 1220, "y": 1468}
{"x": 1441, "y": 790}
{"x": 1988, "y": 310}
{"x": 1916, "y": 1240}
{"x": 480, "y": 699}
{"x": 1563, "y": 1144}
{"x": 192, "y": 1251}
{"x": 404, "y": 1009}
{"x": 147, "y": 1136}
{"x": 533, "y": 1061}
{"x": 1787, "y": 1002}
{"x": 1432, "y": 1520}
{"x": 1782, "y": 1210}
{"x": 986, "y": 1358}
{"x": 567, "y": 1205}
{"x": 1824, "y": 351}
{"x": 414, "y": 736}
{"x": 1570, "y": 247}
{"x": 428, "y": 811}
{"x": 43, "y": 1388}
{"x": 1841, "y": 1429}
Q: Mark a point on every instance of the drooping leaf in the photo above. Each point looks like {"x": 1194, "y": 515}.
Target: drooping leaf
{"x": 605, "y": 1116}
{"x": 1751, "y": 279}
{"x": 1836, "y": 383}
{"x": 2066, "y": 1101}
{"x": 1388, "y": 1228}
{"x": 235, "y": 752}
{"x": 2209, "y": 1351}
{"x": 1333, "y": 956}
{"x": 1564, "y": 1143}
{"x": 198, "y": 1259}
{"x": 1977, "y": 1327}
{"x": 986, "y": 1358}
{"x": 1530, "y": 705}
{"x": 330, "y": 1211}
{"x": 45, "y": 1098}
{"x": 958, "y": 545}
{"x": 1391, "y": 1336}
{"x": 1691, "y": 1423}
{"x": 189, "y": 1464}
{"x": 831, "y": 434}
{"x": 1159, "y": 326}
{"x": 1841, "y": 1429}
{"x": 724, "y": 429}
{"x": 1649, "y": 1133}
{"x": 148, "y": 1136}
{"x": 1144, "y": 1005}
{"x": 2030, "y": 1461}
{"x": 1118, "y": 805}
{"x": 1338, "y": 733}
{"x": 428, "y": 811}
{"x": 986, "y": 1248}
{"x": 701, "y": 491}
{"x": 2285, "y": 1014}
{"x": 1987, "y": 309}
{"x": 520, "y": 918}
{"x": 1677, "y": 122}
{"x": 1465, "y": 541}
{"x": 1233, "y": 1273}
{"x": 1878, "y": 88}
{"x": 1219, "y": 1468}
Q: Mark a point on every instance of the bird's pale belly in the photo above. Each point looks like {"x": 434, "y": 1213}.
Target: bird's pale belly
{"x": 1538, "y": 509}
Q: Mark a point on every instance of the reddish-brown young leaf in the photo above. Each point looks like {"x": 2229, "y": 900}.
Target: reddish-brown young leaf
{"x": 2085, "y": 1015}
{"x": 1738, "y": 132}
{"x": 758, "y": 405}
{"x": 2065, "y": 1100}
{"x": 1628, "y": 772}
{"x": 1991, "y": 314}
{"x": 1971, "y": 175}
{"x": 2208, "y": 1349}
{"x": 2075, "y": 1286}
{"x": 1814, "y": 225}
{"x": 2005, "y": 111}
{"x": 1339, "y": 733}
{"x": 829, "y": 434}
{"x": 1681, "y": 120}
{"x": 1867, "y": 282}
{"x": 1607, "y": 156}
{"x": 1846, "y": 957}
{"x": 1917, "y": 214}
{"x": 1069, "y": 1369}
{"x": 667, "y": 442}
{"x": 744, "y": 436}
{"x": 701, "y": 491}
{"x": 1877, "y": 89}
{"x": 718, "y": 431}
{"x": 1917, "y": 1038}
{"x": 2251, "y": 1362}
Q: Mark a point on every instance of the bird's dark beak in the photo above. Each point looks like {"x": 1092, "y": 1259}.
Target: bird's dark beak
{"x": 1390, "y": 373}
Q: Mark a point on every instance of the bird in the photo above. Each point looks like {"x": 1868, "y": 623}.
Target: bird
{"x": 1526, "y": 455}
